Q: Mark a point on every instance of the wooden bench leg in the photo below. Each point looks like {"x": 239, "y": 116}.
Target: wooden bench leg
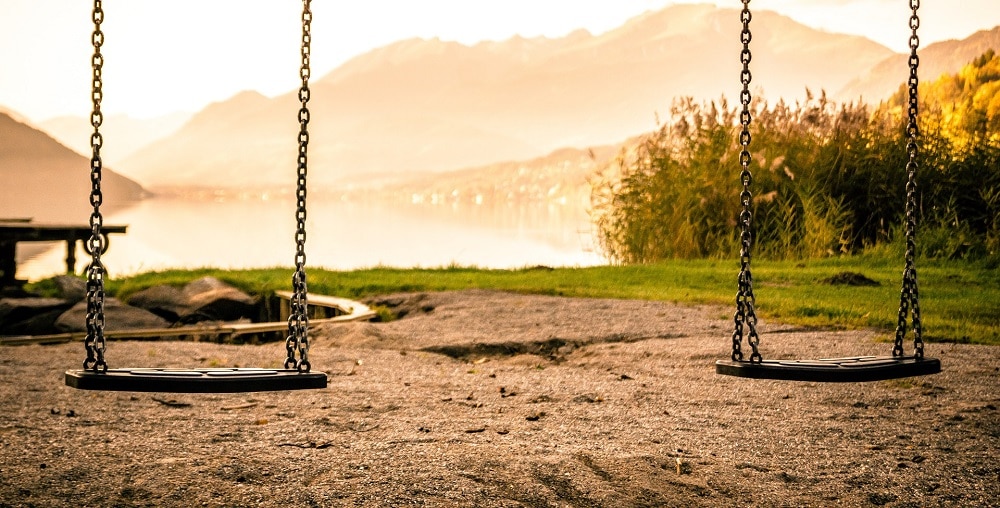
{"x": 8, "y": 265}
{"x": 71, "y": 256}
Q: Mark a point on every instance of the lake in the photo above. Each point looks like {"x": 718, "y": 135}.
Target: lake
{"x": 342, "y": 234}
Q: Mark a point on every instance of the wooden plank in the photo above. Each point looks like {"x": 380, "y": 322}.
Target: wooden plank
{"x": 348, "y": 307}
{"x": 345, "y": 305}
{"x": 30, "y": 231}
{"x": 14, "y": 231}
{"x": 358, "y": 312}
{"x": 24, "y": 340}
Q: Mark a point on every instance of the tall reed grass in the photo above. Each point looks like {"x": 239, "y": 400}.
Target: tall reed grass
{"x": 828, "y": 179}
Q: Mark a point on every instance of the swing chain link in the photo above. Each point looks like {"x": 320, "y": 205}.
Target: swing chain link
{"x": 909, "y": 297}
{"x": 746, "y": 314}
{"x": 95, "y": 245}
{"x": 298, "y": 320}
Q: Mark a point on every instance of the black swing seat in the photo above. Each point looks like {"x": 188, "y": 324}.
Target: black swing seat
{"x": 842, "y": 370}
{"x": 209, "y": 380}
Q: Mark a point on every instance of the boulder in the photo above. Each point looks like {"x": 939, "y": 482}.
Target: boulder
{"x": 850, "y": 279}
{"x": 14, "y": 292}
{"x": 117, "y": 316}
{"x": 40, "y": 324}
{"x": 210, "y": 299}
{"x": 70, "y": 288}
{"x": 167, "y": 302}
{"x": 15, "y": 311}
{"x": 204, "y": 285}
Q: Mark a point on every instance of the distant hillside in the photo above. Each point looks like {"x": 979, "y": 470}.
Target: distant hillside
{"x": 560, "y": 177}
{"x": 431, "y": 105}
{"x": 124, "y": 134}
{"x": 946, "y": 57}
{"x": 48, "y": 182}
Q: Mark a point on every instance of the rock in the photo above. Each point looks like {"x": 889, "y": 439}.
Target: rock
{"x": 204, "y": 285}
{"x": 205, "y": 299}
{"x": 405, "y": 305}
{"x": 209, "y": 299}
{"x": 534, "y": 416}
{"x": 167, "y": 302}
{"x": 849, "y": 279}
{"x": 41, "y": 324}
{"x": 15, "y": 292}
{"x": 117, "y": 316}
{"x": 15, "y": 309}
{"x": 70, "y": 288}
{"x": 14, "y": 312}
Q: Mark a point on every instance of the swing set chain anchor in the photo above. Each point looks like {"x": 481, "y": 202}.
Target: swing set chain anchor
{"x": 745, "y": 319}
{"x": 96, "y": 245}
{"x": 297, "y": 342}
{"x": 909, "y": 301}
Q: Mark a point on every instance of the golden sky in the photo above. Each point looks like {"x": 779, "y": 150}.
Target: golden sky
{"x": 179, "y": 55}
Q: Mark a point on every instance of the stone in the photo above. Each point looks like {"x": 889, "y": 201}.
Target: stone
{"x": 850, "y": 279}
{"x": 70, "y": 288}
{"x": 117, "y": 316}
{"x": 40, "y": 324}
{"x": 167, "y": 302}
{"x": 15, "y": 311}
{"x": 204, "y": 285}
{"x": 209, "y": 299}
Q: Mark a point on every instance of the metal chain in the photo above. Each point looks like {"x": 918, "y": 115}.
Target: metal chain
{"x": 94, "y": 341}
{"x": 298, "y": 320}
{"x": 746, "y": 314}
{"x": 909, "y": 298}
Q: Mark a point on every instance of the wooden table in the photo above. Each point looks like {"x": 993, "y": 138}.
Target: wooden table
{"x": 13, "y": 231}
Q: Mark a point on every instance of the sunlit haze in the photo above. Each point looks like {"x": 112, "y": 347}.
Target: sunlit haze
{"x": 163, "y": 57}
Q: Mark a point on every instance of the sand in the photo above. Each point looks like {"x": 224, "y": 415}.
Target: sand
{"x": 482, "y": 398}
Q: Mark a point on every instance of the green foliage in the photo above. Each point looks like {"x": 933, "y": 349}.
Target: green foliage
{"x": 385, "y": 314}
{"x": 965, "y": 106}
{"x": 672, "y": 188}
{"x": 960, "y": 172}
{"x": 828, "y": 179}
{"x": 46, "y": 288}
{"x": 960, "y": 300}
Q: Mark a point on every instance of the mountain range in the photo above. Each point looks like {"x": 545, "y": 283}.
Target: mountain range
{"x": 47, "y": 182}
{"x": 433, "y": 105}
{"x": 127, "y": 134}
{"x": 423, "y": 106}
{"x": 945, "y": 57}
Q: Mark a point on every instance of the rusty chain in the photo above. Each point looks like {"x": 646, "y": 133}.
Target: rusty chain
{"x": 745, "y": 319}
{"x": 94, "y": 342}
{"x": 297, "y": 341}
{"x": 909, "y": 298}
{"x": 298, "y": 320}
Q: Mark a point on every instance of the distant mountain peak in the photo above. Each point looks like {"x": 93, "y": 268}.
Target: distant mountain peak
{"x": 945, "y": 57}
{"x": 14, "y": 115}
{"x": 434, "y": 105}
{"x": 20, "y": 140}
{"x": 672, "y": 17}
{"x": 47, "y": 181}
{"x": 244, "y": 99}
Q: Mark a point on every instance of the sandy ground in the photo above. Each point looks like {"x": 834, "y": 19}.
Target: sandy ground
{"x": 480, "y": 398}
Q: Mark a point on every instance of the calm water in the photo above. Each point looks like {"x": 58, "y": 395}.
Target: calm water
{"x": 178, "y": 233}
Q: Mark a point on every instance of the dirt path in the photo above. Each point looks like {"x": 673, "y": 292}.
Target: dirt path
{"x": 480, "y": 398}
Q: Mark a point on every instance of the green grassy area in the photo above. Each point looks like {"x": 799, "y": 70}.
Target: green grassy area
{"x": 960, "y": 302}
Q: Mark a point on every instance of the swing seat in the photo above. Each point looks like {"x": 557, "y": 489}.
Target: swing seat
{"x": 844, "y": 370}
{"x": 210, "y": 380}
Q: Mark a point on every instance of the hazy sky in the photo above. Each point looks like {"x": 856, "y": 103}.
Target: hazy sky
{"x": 179, "y": 55}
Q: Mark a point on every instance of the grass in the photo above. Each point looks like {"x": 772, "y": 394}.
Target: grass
{"x": 960, "y": 301}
